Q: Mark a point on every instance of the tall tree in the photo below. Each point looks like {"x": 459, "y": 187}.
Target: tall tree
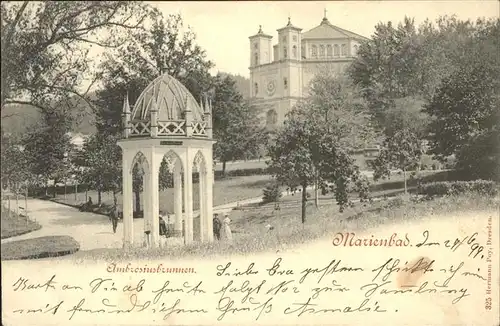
{"x": 100, "y": 164}
{"x": 236, "y": 123}
{"x": 318, "y": 136}
{"x": 465, "y": 106}
{"x": 45, "y": 46}
{"x": 48, "y": 147}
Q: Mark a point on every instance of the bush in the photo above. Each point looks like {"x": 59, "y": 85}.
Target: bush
{"x": 272, "y": 193}
{"x": 483, "y": 187}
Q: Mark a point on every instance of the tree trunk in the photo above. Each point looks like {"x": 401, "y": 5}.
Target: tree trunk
{"x": 137, "y": 201}
{"x": 224, "y": 168}
{"x": 64, "y": 190}
{"x": 404, "y": 176}
{"x": 316, "y": 195}
{"x": 99, "y": 197}
{"x": 76, "y": 191}
{"x": 304, "y": 202}
{"x": 86, "y": 194}
{"x": 17, "y": 202}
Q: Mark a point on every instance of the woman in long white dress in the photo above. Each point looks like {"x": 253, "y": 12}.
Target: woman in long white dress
{"x": 226, "y": 233}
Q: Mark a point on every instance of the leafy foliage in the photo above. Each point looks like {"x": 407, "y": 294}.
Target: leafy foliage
{"x": 45, "y": 46}
{"x": 272, "y": 193}
{"x": 48, "y": 148}
{"x": 483, "y": 187}
{"x": 315, "y": 144}
{"x": 236, "y": 124}
{"x": 100, "y": 164}
{"x": 465, "y": 107}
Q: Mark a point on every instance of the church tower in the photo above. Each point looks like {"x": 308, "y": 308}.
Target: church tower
{"x": 260, "y": 54}
{"x": 289, "y": 56}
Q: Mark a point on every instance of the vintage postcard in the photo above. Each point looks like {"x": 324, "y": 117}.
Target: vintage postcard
{"x": 250, "y": 163}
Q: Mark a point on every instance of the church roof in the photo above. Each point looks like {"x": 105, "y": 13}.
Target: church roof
{"x": 326, "y": 31}
{"x": 169, "y": 97}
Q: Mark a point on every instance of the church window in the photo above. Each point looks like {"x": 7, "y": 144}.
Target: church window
{"x": 295, "y": 37}
{"x": 256, "y": 58}
{"x": 294, "y": 51}
{"x": 256, "y": 88}
{"x": 284, "y": 38}
{"x": 355, "y": 49}
{"x": 321, "y": 50}
{"x": 303, "y": 50}
{"x": 284, "y": 52}
{"x": 272, "y": 117}
{"x": 285, "y": 82}
{"x": 336, "y": 50}
{"x": 329, "y": 50}
{"x": 256, "y": 45}
{"x": 343, "y": 50}
{"x": 314, "y": 51}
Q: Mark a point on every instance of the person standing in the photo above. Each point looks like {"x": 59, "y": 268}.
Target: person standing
{"x": 113, "y": 216}
{"x": 217, "y": 226}
{"x": 227, "y": 229}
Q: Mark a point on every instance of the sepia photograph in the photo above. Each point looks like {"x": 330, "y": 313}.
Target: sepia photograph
{"x": 250, "y": 162}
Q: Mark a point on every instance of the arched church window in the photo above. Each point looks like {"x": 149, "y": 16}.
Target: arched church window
{"x": 336, "y": 50}
{"x": 256, "y": 58}
{"x": 343, "y": 50}
{"x": 285, "y": 82}
{"x": 284, "y": 52}
{"x": 322, "y": 50}
{"x": 294, "y": 51}
{"x": 303, "y": 51}
{"x": 256, "y": 88}
{"x": 314, "y": 51}
{"x": 355, "y": 48}
{"x": 329, "y": 52}
{"x": 272, "y": 118}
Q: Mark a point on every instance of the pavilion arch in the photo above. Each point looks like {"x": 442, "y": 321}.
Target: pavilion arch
{"x": 174, "y": 161}
{"x": 141, "y": 160}
{"x": 199, "y": 163}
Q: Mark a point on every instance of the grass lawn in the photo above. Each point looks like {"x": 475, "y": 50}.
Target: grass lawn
{"x": 13, "y": 224}
{"x": 42, "y": 247}
{"x": 250, "y": 234}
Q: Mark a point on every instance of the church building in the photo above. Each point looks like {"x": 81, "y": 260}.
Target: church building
{"x": 280, "y": 74}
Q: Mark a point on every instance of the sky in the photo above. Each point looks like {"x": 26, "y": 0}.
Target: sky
{"x": 222, "y": 28}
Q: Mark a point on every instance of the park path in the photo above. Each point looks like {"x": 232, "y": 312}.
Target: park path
{"x": 91, "y": 231}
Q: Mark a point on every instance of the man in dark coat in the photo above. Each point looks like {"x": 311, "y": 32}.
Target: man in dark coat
{"x": 217, "y": 226}
{"x": 113, "y": 216}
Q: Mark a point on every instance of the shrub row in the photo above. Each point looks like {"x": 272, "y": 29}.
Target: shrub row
{"x": 483, "y": 187}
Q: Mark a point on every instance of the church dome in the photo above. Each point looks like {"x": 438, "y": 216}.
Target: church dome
{"x": 171, "y": 98}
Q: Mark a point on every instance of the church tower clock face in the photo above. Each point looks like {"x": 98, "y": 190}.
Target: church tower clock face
{"x": 271, "y": 87}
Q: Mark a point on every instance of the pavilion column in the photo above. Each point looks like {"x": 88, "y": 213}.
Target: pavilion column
{"x": 208, "y": 191}
{"x": 146, "y": 206}
{"x": 203, "y": 212}
{"x": 188, "y": 199}
{"x": 153, "y": 196}
{"x": 178, "y": 201}
{"x": 128, "y": 222}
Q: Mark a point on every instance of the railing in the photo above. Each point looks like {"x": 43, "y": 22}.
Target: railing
{"x": 143, "y": 128}
{"x": 167, "y": 128}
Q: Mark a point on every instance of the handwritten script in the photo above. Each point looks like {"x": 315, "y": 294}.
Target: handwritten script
{"x": 256, "y": 290}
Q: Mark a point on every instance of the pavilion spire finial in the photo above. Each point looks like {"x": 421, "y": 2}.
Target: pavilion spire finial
{"x": 260, "y": 30}
{"x": 289, "y": 21}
